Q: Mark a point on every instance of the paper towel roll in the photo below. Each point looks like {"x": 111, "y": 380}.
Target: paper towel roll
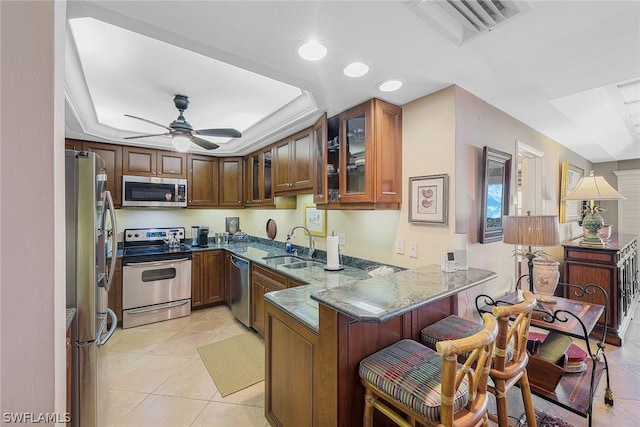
{"x": 460, "y": 247}
{"x": 333, "y": 261}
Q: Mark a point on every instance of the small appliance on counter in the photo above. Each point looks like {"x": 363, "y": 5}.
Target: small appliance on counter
{"x": 203, "y": 237}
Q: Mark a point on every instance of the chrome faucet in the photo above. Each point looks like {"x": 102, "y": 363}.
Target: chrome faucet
{"x": 312, "y": 246}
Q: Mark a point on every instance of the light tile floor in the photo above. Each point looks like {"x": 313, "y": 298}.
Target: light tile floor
{"x": 155, "y": 377}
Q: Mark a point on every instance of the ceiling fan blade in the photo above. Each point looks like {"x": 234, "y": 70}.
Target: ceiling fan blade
{"x": 222, "y": 132}
{"x": 148, "y": 121}
{"x": 145, "y": 136}
{"x": 207, "y": 145}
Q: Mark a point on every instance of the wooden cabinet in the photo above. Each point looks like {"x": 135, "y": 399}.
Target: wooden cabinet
{"x": 259, "y": 178}
{"x": 614, "y": 267}
{"x": 202, "y": 187}
{"x": 149, "y": 162}
{"x": 207, "y": 273}
{"x": 115, "y": 292}
{"x": 363, "y": 166}
{"x": 293, "y": 164}
{"x": 320, "y": 159}
{"x": 263, "y": 280}
{"x": 112, "y": 155}
{"x": 230, "y": 181}
{"x": 227, "y": 278}
{"x": 214, "y": 182}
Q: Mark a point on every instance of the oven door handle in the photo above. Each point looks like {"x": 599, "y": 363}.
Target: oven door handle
{"x": 155, "y": 263}
{"x": 158, "y": 307}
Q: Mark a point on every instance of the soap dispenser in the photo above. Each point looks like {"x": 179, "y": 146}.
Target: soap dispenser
{"x": 288, "y": 247}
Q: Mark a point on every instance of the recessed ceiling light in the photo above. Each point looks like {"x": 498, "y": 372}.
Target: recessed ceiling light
{"x": 356, "y": 69}
{"x": 390, "y": 85}
{"x": 312, "y": 51}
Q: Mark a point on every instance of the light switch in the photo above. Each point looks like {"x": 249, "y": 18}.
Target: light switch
{"x": 342, "y": 239}
{"x": 400, "y": 246}
{"x": 413, "y": 249}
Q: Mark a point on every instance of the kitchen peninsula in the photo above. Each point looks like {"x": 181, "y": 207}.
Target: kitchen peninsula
{"x": 316, "y": 335}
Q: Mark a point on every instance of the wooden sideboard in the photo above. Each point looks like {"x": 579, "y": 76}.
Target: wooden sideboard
{"x": 614, "y": 267}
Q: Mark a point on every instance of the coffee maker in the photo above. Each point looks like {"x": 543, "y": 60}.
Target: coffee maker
{"x": 203, "y": 237}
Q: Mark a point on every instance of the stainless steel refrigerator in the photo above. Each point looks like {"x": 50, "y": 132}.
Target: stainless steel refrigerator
{"x": 89, "y": 213}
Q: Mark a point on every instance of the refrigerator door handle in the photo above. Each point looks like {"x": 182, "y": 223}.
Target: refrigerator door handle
{"x": 114, "y": 324}
{"x": 114, "y": 237}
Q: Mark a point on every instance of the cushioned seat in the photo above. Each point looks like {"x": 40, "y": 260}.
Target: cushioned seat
{"x": 510, "y": 355}
{"x": 408, "y": 382}
{"x": 411, "y": 373}
{"x": 452, "y": 328}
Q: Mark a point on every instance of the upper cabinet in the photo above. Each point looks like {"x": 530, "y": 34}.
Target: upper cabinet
{"x": 230, "y": 181}
{"x": 259, "y": 178}
{"x": 112, "y": 155}
{"x": 363, "y": 158}
{"x": 214, "y": 181}
{"x": 150, "y": 162}
{"x": 202, "y": 185}
{"x": 320, "y": 159}
{"x": 293, "y": 164}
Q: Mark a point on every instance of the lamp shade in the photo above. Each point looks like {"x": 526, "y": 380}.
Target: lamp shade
{"x": 536, "y": 230}
{"x": 181, "y": 142}
{"x": 594, "y": 188}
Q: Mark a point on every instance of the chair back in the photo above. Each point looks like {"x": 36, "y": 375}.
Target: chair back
{"x": 475, "y": 369}
{"x": 513, "y": 327}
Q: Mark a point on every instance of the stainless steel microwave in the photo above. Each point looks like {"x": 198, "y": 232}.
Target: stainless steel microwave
{"x": 146, "y": 191}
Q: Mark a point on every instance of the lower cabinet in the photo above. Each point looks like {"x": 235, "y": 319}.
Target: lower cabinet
{"x": 115, "y": 292}
{"x": 263, "y": 280}
{"x": 207, "y": 272}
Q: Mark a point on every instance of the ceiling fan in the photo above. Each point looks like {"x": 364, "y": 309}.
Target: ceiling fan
{"x": 182, "y": 133}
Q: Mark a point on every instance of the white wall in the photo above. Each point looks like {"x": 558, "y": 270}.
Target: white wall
{"x": 32, "y": 261}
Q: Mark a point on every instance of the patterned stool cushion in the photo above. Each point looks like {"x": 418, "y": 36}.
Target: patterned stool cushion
{"x": 453, "y": 328}
{"x": 411, "y": 374}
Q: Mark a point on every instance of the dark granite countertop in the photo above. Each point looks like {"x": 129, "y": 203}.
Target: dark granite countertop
{"x": 351, "y": 291}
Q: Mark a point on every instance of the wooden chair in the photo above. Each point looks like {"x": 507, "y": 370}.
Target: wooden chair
{"x": 410, "y": 382}
{"x": 510, "y": 360}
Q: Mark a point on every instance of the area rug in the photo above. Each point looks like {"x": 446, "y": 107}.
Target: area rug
{"x": 545, "y": 419}
{"x": 235, "y": 363}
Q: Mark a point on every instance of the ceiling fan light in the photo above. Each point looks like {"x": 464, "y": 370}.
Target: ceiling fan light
{"x": 390, "y": 85}
{"x": 312, "y": 51}
{"x": 181, "y": 142}
{"x": 356, "y": 69}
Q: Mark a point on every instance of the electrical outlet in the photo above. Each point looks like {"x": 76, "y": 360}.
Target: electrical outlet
{"x": 400, "y": 246}
{"x": 342, "y": 239}
{"x": 413, "y": 249}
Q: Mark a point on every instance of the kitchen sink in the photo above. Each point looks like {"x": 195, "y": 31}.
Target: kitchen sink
{"x": 303, "y": 264}
{"x": 291, "y": 261}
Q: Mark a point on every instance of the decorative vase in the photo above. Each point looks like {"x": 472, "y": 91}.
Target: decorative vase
{"x": 545, "y": 279}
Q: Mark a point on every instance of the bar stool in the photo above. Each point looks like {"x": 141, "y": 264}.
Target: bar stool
{"x": 510, "y": 360}
{"x": 410, "y": 379}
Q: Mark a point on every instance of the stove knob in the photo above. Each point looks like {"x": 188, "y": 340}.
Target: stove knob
{"x": 137, "y": 235}
{"x": 129, "y": 235}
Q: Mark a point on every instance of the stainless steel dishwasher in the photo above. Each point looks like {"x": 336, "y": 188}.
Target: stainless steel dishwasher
{"x": 240, "y": 291}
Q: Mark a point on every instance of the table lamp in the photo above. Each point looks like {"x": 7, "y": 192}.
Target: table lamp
{"x": 532, "y": 230}
{"x": 593, "y": 188}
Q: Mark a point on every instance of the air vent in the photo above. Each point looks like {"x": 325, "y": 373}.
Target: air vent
{"x": 463, "y": 20}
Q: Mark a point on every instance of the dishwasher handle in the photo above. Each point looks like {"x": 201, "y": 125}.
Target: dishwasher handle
{"x": 240, "y": 263}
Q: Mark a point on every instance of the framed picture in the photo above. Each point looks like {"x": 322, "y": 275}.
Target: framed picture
{"x": 496, "y": 176}
{"x": 428, "y": 199}
{"x": 315, "y": 220}
{"x": 570, "y": 175}
{"x": 232, "y": 224}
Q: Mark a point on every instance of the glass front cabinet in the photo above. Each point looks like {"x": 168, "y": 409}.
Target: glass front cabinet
{"x": 362, "y": 164}
{"x": 258, "y": 176}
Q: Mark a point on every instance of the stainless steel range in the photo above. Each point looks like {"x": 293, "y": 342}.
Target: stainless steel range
{"x": 156, "y": 276}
